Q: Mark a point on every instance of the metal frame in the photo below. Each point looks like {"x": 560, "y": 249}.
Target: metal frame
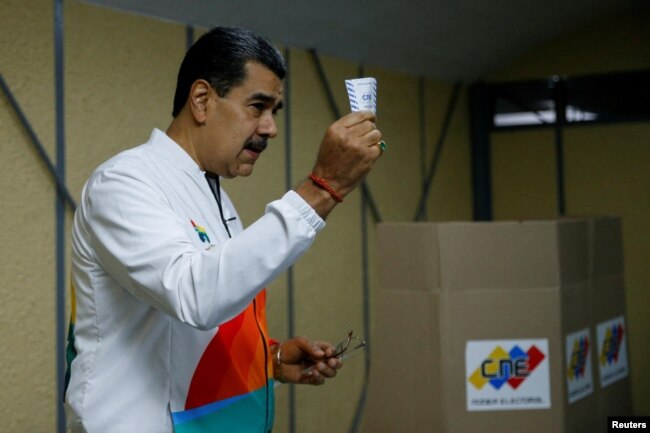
{"x": 479, "y": 103}
{"x": 288, "y": 157}
{"x": 482, "y": 103}
{"x": 59, "y": 77}
{"x": 38, "y": 145}
{"x": 367, "y": 203}
{"x": 420, "y": 214}
{"x": 63, "y": 201}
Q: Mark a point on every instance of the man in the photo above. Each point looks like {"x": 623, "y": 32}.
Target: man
{"x": 169, "y": 330}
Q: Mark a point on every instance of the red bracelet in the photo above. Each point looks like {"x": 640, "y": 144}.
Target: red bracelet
{"x": 326, "y": 186}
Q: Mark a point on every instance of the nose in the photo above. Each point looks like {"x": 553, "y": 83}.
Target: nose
{"x": 267, "y": 126}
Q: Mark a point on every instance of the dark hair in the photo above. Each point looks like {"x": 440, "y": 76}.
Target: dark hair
{"x": 220, "y": 57}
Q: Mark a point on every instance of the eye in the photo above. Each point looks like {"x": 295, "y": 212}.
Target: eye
{"x": 258, "y": 106}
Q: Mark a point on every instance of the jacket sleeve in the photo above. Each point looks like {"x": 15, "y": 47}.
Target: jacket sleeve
{"x": 135, "y": 236}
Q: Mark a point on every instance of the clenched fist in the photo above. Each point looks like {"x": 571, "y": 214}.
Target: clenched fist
{"x": 347, "y": 153}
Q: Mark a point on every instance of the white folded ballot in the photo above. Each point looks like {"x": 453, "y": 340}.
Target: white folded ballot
{"x": 362, "y": 93}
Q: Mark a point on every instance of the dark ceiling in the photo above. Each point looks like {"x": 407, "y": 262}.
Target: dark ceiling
{"x": 443, "y": 39}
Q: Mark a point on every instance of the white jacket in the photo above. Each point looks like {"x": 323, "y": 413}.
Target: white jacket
{"x": 155, "y": 274}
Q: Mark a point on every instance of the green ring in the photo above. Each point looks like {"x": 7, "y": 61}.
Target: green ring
{"x": 382, "y": 145}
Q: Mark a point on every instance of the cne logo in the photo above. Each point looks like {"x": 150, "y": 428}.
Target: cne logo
{"x": 612, "y": 351}
{"x": 203, "y": 235}
{"x": 579, "y": 357}
{"x": 612, "y": 344}
{"x": 506, "y": 367}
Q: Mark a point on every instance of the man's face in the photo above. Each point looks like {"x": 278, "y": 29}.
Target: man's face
{"x": 238, "y": 125}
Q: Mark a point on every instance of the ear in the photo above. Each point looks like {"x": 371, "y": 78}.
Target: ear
{"x": 198, "y": 100}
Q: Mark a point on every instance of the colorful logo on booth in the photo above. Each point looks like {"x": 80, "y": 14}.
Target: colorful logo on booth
{"x": 612, "y": 344}
{"x": 203, "y": 235}
{"x": 511, "y": 367}
{"x": 579, "y": 357}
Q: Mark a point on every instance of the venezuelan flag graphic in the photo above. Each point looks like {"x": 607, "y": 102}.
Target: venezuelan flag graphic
{"x": 231, "y": 389}
{"x": 203, "y": 235}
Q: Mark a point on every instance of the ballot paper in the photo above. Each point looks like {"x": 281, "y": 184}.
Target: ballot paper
{"x": 362, "y": 93}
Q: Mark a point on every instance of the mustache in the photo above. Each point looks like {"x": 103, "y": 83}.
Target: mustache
{"x": 257, "y": 145}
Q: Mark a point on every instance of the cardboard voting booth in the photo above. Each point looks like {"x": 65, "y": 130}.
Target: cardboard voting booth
{"x": 498, "y": 327}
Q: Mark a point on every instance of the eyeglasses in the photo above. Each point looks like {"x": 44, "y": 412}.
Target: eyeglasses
{"x": 346, "y": 348}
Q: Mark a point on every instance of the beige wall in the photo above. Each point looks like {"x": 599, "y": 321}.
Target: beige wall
{"x": 607, "y": 166}
{"x": 120, "y": 77}
{"x": 27, "y": 229}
